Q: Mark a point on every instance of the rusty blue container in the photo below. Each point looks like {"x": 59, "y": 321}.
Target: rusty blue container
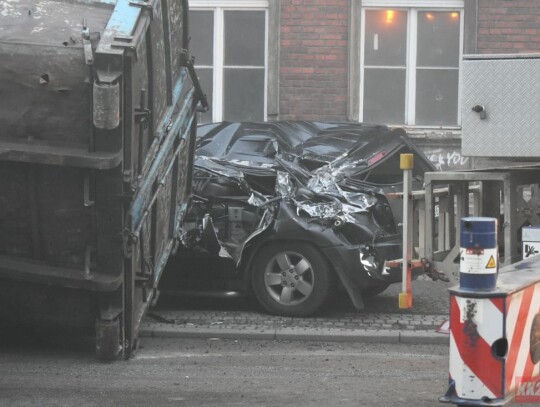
{"x": 97, "y": 133}
{"x": 478, "y": 254}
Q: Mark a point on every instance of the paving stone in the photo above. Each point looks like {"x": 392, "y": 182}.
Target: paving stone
{"x": 382, "y": 320}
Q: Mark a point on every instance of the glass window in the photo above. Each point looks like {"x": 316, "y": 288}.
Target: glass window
{"x": 437, "y": 96}
{"x": 410, "y": 66}
{"x": 244, "y": 38}
{"x": 385, "y": 66}
{"x": 229, "y": 45}
{"x": 437, "y": 68}
{"x": 386, "y": 38}
{"x": 438, "y": 39}
{"x": 243, "y": 102}
{"x": 201, "y": 45}
{"x": 385, "y": 90}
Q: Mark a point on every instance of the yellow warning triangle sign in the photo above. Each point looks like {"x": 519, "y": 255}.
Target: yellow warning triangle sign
{"x": 491, "y": 263}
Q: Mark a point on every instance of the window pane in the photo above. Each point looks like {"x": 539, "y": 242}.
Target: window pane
{"x": 386, "y": 37}
{"x": 384, "y": 96}
{"x": 201, "y": 29}
{"x": 438, "y": 38}
{"x": 243, "y": 94}
{"x": 206, "y": 76}
{"x": 244, "y": 38}
{"x": 437, "y": 96}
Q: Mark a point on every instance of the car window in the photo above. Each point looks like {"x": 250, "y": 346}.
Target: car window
{"x": 214, "y": 144}
{"x": 257, "y": 146}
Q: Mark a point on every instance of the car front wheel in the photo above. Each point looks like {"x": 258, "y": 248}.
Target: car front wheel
{"x": 291, "y": 279}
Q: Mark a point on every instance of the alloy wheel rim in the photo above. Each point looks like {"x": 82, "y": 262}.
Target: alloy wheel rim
{"x": 289, "y": 278}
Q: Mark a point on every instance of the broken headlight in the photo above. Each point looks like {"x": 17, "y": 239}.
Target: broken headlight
{"x": 370, "y": 260}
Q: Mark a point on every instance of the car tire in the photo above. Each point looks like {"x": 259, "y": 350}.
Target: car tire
{"x": 291, "y": 279}
{"x": 107, "y": 339}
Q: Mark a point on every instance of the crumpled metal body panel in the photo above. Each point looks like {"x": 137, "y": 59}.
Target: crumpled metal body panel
{"x": 320, "y": 183}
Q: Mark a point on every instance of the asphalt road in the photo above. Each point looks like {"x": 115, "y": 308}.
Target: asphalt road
{"x": 39, "y": 370}
{"x": 193, "y": 372}
{"x": 45, "y": 371}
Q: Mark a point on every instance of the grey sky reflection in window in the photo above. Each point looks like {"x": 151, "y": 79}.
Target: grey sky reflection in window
{"x": 243, "y": 99}
{"x": 244, "y": 38}
{"x": 201, "y": 28}
{"x": 384, "y": 96}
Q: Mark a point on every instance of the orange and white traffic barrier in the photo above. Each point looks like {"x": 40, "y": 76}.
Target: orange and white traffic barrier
{"x": 406, "y": 163}
{"x": 495, "y": 340}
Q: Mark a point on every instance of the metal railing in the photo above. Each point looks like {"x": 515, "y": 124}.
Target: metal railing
{"x": 450, "y": 196}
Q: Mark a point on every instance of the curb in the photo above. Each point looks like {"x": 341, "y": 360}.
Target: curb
{"x": 160, "y": 330}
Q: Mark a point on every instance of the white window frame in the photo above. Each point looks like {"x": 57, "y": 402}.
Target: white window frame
{"x": 219, "y": 7}
{"x": 412, "y": 7}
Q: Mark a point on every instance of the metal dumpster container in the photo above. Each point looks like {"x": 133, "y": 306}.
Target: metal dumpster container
{"x": 97, "y": 121}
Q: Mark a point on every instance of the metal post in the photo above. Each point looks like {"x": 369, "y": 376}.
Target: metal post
{"x": 405, "y": 297}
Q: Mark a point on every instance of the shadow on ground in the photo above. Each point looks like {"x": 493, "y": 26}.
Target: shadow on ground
{"x": 429, "y": 298}
{"x": 16, "y": 336}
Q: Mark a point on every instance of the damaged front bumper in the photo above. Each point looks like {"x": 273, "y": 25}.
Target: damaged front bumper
{"x": 352, "y": 226}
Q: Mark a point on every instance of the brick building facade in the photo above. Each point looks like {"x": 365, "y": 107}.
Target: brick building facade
{"x": 315, "y": 41}
{"x": 387, "y": 61}
{"x": 314, "y": 59}
{"x": 508, "y": 26}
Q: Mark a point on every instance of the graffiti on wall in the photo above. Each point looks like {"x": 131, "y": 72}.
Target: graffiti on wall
{"x": 445, "y": 159}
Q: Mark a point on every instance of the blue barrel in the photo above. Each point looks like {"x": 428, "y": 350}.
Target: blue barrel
{"x": 478, "y": 254}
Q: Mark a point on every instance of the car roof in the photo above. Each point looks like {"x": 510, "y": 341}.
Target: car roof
{"x": 226, "y": 140}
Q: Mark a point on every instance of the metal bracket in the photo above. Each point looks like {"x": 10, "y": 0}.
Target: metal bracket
{"x": 169, "y": 126}
{"x": 87, "y": 261}
{"x": 87, "y": 37}
{"x": 88, "y": 53}
{"x": 200, "y": 95}
{"x": 148, "y": 6}
{"x": 132, "y": 183}
{"x": 128, "y": 239}
{"x": 124, "y": 38}
{"x": 143, "y": 282}
{"x": 145, "y": 278}
{"x": 87, "y": 199}
{"x": 125, "y": 42}
{"x": 141, "y": 115}
{"x": 127, "y": 176}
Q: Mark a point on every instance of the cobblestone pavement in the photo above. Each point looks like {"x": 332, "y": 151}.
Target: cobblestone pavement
{"x": 381, "y": 320}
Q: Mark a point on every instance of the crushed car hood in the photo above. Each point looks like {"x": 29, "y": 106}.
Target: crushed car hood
{"x": 331, "y": 173}
{"x": 346, "y": 150}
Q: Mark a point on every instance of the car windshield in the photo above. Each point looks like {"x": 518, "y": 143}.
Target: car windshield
{"x": 256, "y": 146}
{"x": 297, "y": 133}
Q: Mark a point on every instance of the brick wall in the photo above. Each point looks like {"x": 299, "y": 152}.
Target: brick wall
{"x": 509, "y": 26}
{"x": 313, "y": 50}
{"x": 313, "y": 59}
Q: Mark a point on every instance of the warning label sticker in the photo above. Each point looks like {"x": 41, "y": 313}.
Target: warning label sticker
{"x": 530, "y": 249}
{"x": 478, "y": 261}
{"x": 491, "y": 263}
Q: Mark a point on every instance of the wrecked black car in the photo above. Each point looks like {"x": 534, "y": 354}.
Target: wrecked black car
{"x": 295, "y": 209}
